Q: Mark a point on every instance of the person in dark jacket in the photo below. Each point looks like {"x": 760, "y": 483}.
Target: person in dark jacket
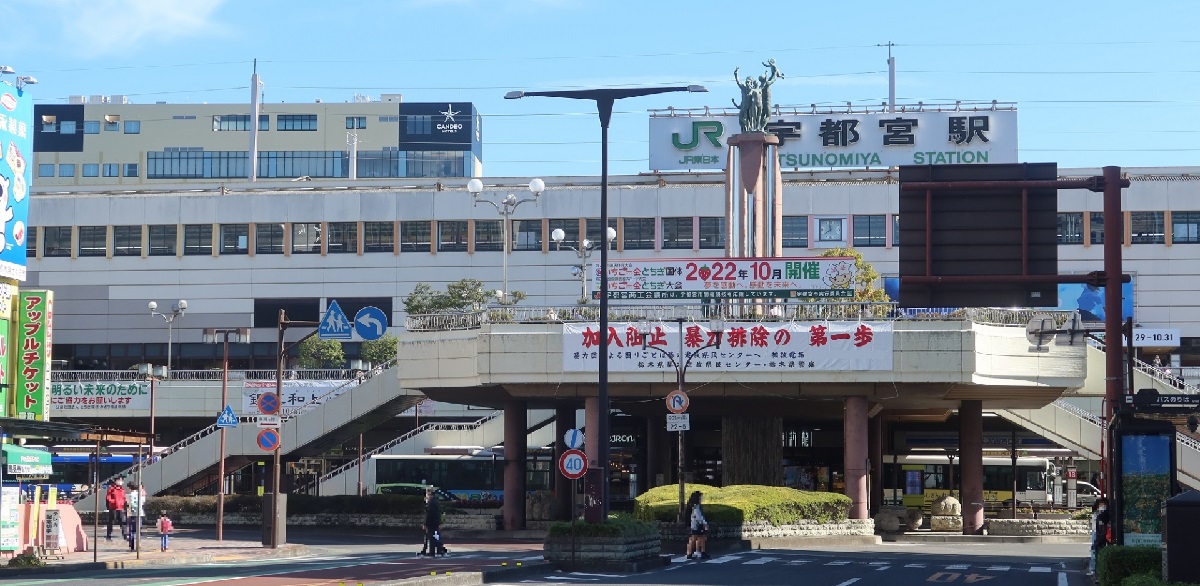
{"x": 433, "y": 521}
{"x": 1100, "y": 530}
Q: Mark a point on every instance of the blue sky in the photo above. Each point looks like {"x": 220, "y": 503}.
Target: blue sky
{"x": 1096, "y": 83}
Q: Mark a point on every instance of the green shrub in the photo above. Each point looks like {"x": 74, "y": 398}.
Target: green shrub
{"x": 1143, "y": 580}
{"x": 617, "y": 525}
{"x": 26, "y": 560}
{"x": 739, "y": 504}
{"x": 1084, "y": 515}
{"x": 1115, "y": 563}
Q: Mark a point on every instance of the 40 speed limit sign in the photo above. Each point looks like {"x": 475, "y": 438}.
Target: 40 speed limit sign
{"x": 572, "y": 464}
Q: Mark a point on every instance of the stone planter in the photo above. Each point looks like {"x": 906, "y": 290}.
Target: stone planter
{"x": 1027, "y": 527}
{"x": 627, "y": 554}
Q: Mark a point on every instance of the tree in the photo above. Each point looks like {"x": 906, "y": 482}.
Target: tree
{"x": 865, "y": 276}
{"x": 460, "y": 296}
{"x": 379, "y": 351}
{"x": 317, "y": 353}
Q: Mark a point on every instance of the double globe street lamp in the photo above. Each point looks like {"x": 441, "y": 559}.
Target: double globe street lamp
{"x": 505, "y": 206}
{"x": 584, "y": 252}
{"x": 215, "y": 336}
{"x": 177, "y": 310}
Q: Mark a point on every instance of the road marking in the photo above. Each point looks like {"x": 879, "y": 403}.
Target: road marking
{"x": 725, "y": 559}
{"x": 837, "y": 563}
{"x": 958, "y": 567}
{"x": 914, "y": 565}
{"x": 999, "y": 568}
{"x": 679, "y": 560}
{"x": 881, "y": 568}
{"x": 798, "y": 562}
{"x": 849, "y": 582}
{"x": 597, "y": 575}
{"x": 1039, "y": 569}
{"x": 760, "y": 561}
{"x": 1062, "y": 579}
{"x": 878, "y": 563}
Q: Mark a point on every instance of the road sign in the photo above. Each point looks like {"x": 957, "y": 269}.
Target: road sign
{"x": 268, "y": 440}
{"x": 334, "y": 325}
{"x": 573, "y": 439}
{"x": 677, "y": 401}
{"x": 1151, "y": 398}
{"x": 572, "y": 464}
{"x": 269, "y": 421}
{"x": 268, "y": 404}
{"x": 370, "y": 323}
{"x": 227, "y": 418}
{"x": 679, "y": 422}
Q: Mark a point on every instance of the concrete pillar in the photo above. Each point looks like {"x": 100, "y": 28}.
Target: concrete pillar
{"x": 855, "y": 426}
{"x": 970, "y": 454}
{"x": 591, "y": 422}
{"x": 516, "y": 433}
{"x": 875, "y": 446}
{"x": 564, "y": 421}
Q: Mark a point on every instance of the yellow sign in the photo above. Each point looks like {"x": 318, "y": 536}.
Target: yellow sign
{"x": 989, "y": 496}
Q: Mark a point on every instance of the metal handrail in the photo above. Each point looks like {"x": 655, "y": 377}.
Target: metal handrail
{"x": 1083, "y": 414}
{"x": 204, "y": 375}
{"x": 399, "y": 440}
{"x": 1187, "y": 440}
{"x": 338, "y": 390}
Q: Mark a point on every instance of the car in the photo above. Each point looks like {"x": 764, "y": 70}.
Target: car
{"x": 415, "y": 490}
{"x": 1085, "y": 493}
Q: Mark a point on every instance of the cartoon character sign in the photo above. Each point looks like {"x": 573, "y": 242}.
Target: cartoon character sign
{"x": 840, "y": 275}
{"x": 16, "y": 139}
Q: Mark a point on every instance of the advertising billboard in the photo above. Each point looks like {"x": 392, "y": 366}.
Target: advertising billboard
{"x": 16, "y": 175}
{"x": 35, "y": 320}
{"x": 439, "y": 126}
{"x": 828, "y": 140}
{"x": 826, "y": 277}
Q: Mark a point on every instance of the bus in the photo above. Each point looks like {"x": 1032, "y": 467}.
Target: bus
{"x": 73, "y": 469}
{"x": 477, "y": 476}
{"x": 918, "y": 480}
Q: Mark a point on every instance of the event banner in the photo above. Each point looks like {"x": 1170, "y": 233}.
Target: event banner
{"x": 767, "y": 346}
{"x": 730, "y": 278}
{"x": 844, "y": 139}
{"x": 297, "y": 394}
{"x": 35, "y": 312}
{"x": 100, "y": 396}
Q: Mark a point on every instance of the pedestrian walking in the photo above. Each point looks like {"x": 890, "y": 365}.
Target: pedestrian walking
{"x": 433, "y": 545}
{"x": 134, "y": 511}
{"x": 164, "y": 532}
{"x": 698, "y": 540}
{"x": 114, "y": 502}
{"x": 1101, "y": 531}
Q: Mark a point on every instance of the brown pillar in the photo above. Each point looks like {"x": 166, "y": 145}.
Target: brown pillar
{"x": 656, "y": 446}
{"x": 970, "y": 458}
{"x": 564, "y": 421}
{"x": 875, "y": 446}
{"x": 516, "y": 433}
{"x": 855, "y": 426}
{"x": 591, "y": 430}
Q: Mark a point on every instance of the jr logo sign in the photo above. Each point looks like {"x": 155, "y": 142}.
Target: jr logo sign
{"x": 710, "y": 129}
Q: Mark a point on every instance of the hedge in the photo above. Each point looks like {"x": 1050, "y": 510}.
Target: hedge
{"x": 1151, "y": 579}
{"x": 740, "y": 504}
{"x": 1115, "y": 563}
{"x": 617, "y": 525}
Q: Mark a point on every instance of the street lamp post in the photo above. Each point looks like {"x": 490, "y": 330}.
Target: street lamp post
{"x": 177, "y": 310}
{"x": 506, "y": 207}
{"x": 152, "y": 374}
{"x": 584, "y": 252}
{"x": 604, "y": 98}
{"x": 211, "y": 336}
{"x": 271, "y": 540}
{"x": 716, "y": 330}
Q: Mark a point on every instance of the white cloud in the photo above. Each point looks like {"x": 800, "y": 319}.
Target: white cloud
{"x": 115, "y": 27}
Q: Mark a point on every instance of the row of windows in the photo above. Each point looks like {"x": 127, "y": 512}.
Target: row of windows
{"x": 195, "y": 164}
{"x": 89, "y": 169}
{"x": 1144, "y": 227}
{"x": 220, "y": 123}
{"x": 110, "y": 124}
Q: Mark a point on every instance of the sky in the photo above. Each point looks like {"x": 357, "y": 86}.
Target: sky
{"x": 1095, "y": 83}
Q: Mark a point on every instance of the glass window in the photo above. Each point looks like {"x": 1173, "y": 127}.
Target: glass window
{"x": 593, "y": 232}
{"x": 570, "y": 230}
{"x": 435, "y": 163}
{"x": 112, "y": 123}
{"x": 303, "y": 163}
{"x": 268, "y": 238}
{"x": 131, "y": 169}
{"x": 356, "y": 122}
{"x": 306, "y": 237}
{"x": 91, "y": 170}
{"x": 67, "y": 127}
{"x": 712, "y": 233}
{"x": 296, "y": 122}
{"x": 197, "y": 239}
{"x": 235, "y": 238}
{"x": 45, "y": 169}
{"x": 189, "y": 163}
{"x": 66, "y": 170}
{"x": 869, "y": 231}
{"x": 414, "y": 236}
{"x": 487, "y": 235}
{"x": 795, "y": 231}
{"x": 375, "y": 164}
{"x": 112, "y": 169}
{"x": 1147, "y": 228}
{"x": 639, "y": 233}
{"x": 162, "y": 239}
{"x": 57, "y": 241}
{"x": 264, "y": 122}
{"x": 31, "y": 241}
{"x": 418, "y": 125}
{"x": 343, "y": 237}
{"x": 1185, "y": 227}
{"x": 91, "y": 127}
{"x": 127, "y": 240}
{"x": 49, "y": 123}
{"x": 895, "y": 229}
{"x": 1097, "y": 227}
{"x": 677, "y": 233}
{"x": 1070, "y": 228}
{"x": 379, "y": 237}
{"x": 452, "y": 235}
{"x": 527, "y": 234}
{"x": 92, "y": 240}
{"x": 231, "y": 122}
{"x": 133, "y": 127}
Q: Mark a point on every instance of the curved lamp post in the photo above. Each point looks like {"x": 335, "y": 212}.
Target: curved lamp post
{"x": 177, "y": 310}
{"x": 505, "y": 207}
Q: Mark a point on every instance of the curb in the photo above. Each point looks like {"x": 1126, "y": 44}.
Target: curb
{"x": 287, "y": 550}
{"x": 951, "y": 538}
{"x": 476, "y": 578}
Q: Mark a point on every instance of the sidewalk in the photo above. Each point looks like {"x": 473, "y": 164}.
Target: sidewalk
{"x": 188, "y": 546}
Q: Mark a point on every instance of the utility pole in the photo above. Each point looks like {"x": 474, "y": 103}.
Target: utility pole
{"x": 891, "y": 76}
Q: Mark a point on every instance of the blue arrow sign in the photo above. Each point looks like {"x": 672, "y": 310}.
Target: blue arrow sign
{"x": 227, "y": 418}
{"x": 370, "y": 323}
{"x": 334, "y": 325}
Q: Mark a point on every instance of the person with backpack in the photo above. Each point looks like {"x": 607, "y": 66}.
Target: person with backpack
{"x": 1101, "y": 531}
{"x": 114, "y": 501}
{"x": 698, "y": 539}
{"x": 164, "y": 532}
{"x": 433, "y": 521}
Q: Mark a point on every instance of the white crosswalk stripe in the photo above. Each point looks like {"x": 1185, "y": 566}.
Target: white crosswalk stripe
{"x": 760, "y": 561}
{"x": 914, "y": 565}
{"x": 958, "y": 567}
{"x": 837, "y": 563}
{"x": 725, "y": 559}
{"x": 998, "y": 568}
{"x": 881, "y": 568}
{"x": 1040, "y": 569}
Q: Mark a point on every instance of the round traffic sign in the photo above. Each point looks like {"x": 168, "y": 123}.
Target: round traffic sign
{"x": 573, "y": 439}
{"x": 268, "y": 440}
{"x": 268, "y": 404}
{"x": 572, "y": 464}
{"x": 677, "y": 401}
{"x": 370, "y": 323}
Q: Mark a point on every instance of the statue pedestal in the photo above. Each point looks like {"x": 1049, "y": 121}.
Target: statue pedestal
{"x": 754, "y": 196}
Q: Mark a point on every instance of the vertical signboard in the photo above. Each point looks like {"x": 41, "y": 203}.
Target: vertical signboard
{"x": 35, "y": 310}
{"x": 10, "y": 536}
{"x": 16, "y": 143}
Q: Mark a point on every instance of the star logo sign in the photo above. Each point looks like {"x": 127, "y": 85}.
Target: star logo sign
{"x": 449, "y": 114}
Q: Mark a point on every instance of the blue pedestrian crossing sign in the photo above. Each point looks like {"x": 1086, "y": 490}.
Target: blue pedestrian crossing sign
{"x": 227, "y": 418}
{"x": 334, "y": 325}
{"x": 370, "y": 323}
